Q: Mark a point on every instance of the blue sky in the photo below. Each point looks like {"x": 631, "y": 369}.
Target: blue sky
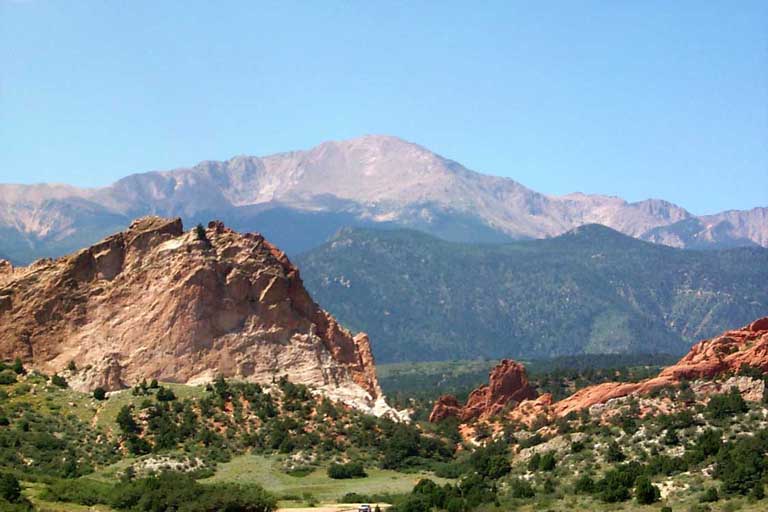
{"x": 637, "y": 99}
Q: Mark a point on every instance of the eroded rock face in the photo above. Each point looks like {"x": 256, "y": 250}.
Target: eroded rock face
{"x": 706, "y": 360}
{"x": 725, "y": 354}
{"x": 157, "y": 302}
{"x": 507, "y": 387}
{"x": 447, "y": 406}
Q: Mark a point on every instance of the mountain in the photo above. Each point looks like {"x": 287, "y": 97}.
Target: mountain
{"x": 156, "y": 302}
{"x": 591, "y": 290}
{"x": 300, "y": 198}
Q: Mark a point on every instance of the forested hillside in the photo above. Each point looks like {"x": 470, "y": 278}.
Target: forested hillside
{"x": 592, "y": 290}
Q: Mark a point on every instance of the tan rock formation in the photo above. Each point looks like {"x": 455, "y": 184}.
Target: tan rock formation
{"x": 156, "y": 302}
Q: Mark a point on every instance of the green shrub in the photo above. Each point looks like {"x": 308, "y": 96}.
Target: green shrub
{"x": 99, "y": 394}
{"x": 614, "y": 453}
{"x": 645, "y": 492}
{"x": 547, "y": 462}
{"x": 709, "y": 496}
{"x": 167, "y": 491}
{"x": 521, "y": 489}
{"x": 7, "y": 377}
{"x": 10, "y": 490}
{"x": 59, "y": 381}
{"x": 727, "y": 404}
{"x": 741, "y": 464}
{"x": 81, "y": 491}
{"x": 349, "y": 470}
{"x": 165, "y": 394}
{"x": 585, "y": 484}
{"x": 18, "y": 367}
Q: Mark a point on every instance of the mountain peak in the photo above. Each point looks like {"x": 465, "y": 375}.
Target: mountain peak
{"x": 593, "y": 231}
{"x": 372, "y": 179}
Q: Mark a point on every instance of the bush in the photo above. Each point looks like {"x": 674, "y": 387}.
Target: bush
{"x": 59, "y": 381}
{"x": 7, "y": 377}
{"x": 726, "y": 405}
{"x": 126, "y": 422}
{"x": 741, "y": 465}
{"x": 491, "y": 461}
{"x": 165, "y": 394}
{"x": 584, "y": 485}
{"x": 645, "y": 492}
{"x": 614, "y": 453}
{"x": 200, "y": 233}
{"x": 709, "y": 496}
{"x": 167, "y": 491}
{"x": 99, "y": 394}
{"x": 10, "y": 490}
{"x": 18, "y": 367}
{"x": 81, "y": 491}
{"x": 521, "y": 489}
{"x": 547, "y": 462}
{"x": 616, "y": 484}
{"x": 343, "y": 471}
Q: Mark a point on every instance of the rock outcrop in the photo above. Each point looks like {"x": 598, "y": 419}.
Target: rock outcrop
{"x": 708, "y": 359}
{"x": 156, "y": 302}
{"x": 507, "y": 386}
{"x": 446, "y": 406}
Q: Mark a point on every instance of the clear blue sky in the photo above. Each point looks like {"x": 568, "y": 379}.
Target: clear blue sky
{"x": 639, "y": 99}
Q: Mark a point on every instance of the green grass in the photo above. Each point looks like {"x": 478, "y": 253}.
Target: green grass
{"x": 49, "y": 399}
{"x": 267, "y": 472}
{"x": 33, "y": 490}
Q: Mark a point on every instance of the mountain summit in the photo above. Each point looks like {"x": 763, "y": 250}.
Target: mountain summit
{"x": 300, "y": 198}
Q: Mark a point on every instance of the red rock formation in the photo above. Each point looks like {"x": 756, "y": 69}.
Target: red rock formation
{"x": 507, "y": 386}
{"x": 157, "y": 302}
{"x": 447, "y": 406}
{"x": 707, "y": 359}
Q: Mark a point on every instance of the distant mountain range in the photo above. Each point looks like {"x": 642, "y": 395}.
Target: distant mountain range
{"x": 299, "y": 199}
{"x": 591, "y": 290}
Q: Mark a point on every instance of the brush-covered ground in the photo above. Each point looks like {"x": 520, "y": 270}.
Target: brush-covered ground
{"x": 237, "y": 446}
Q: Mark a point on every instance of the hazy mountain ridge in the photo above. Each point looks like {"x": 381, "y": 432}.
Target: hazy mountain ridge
{"x": 365, "y": 181}
{"x": 591, "y": 290}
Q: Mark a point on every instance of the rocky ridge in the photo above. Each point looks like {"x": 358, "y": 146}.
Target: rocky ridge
{"x": 156, "y": 302}
{"x": 300, "y": 198}
{"x": 707, "y": 360}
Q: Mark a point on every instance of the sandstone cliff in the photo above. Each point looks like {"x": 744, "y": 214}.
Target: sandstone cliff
{"x": 707, "y": 359}
{"x": 507, "y": 387}
{"x": 509, "y": 391}
{"x": 157, "y": 302}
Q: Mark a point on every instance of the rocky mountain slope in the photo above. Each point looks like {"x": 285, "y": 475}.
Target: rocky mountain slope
{"x": 156, "y": 302}
{"x": 722, "y": 356}
{"x": 300, "y": 198}
{"x": 592, "y": 290}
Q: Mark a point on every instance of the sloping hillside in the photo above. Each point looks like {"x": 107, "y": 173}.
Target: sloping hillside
{"x": 592, "y": 290}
